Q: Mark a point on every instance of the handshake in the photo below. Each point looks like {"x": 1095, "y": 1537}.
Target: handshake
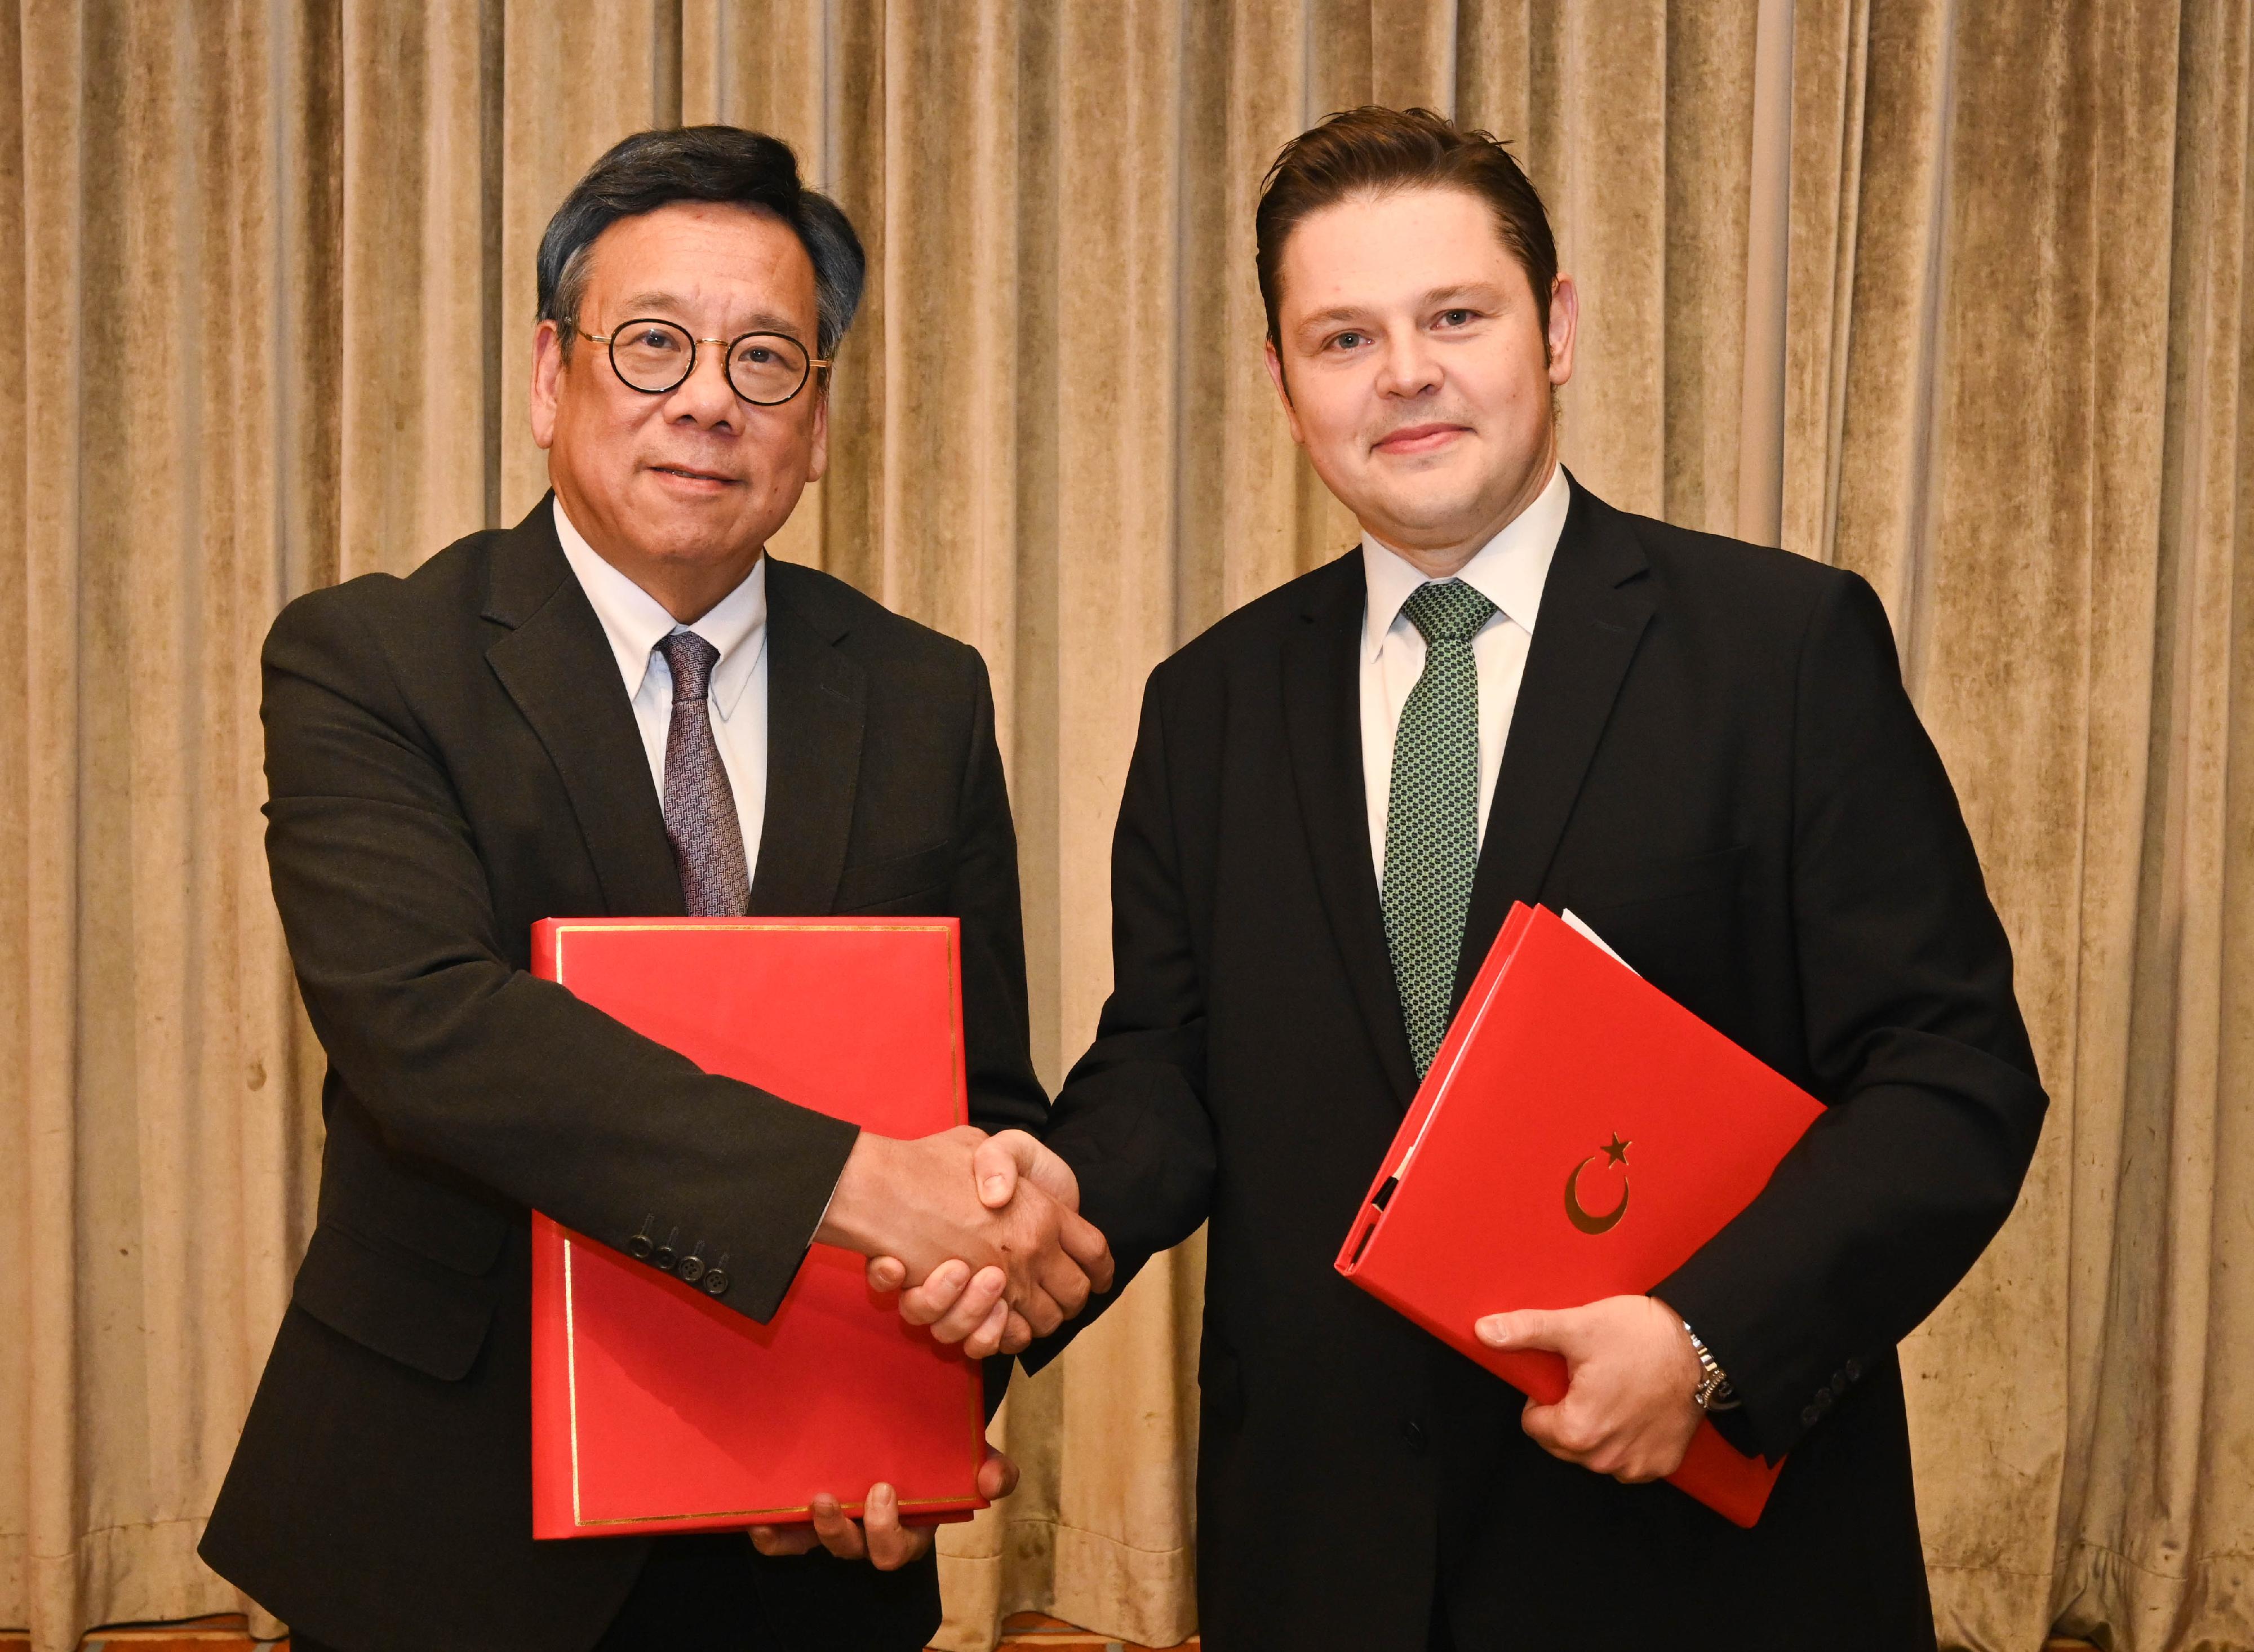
{"x": 982, "y": 1237}
{"x": 985, "y": 1235}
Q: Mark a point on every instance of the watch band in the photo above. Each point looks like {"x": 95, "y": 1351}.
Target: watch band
{"x": 1713, "y": 1392}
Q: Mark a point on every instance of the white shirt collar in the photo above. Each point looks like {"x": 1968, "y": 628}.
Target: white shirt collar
{"x": 634, "y": 622}
{"x": 1509, "y": 571}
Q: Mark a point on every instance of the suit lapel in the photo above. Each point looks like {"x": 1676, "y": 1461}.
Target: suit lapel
{"x": 1594, "y": 608}
{"x": 1322, "y": 713}
{"x": 818, "y": 700}
{"x": 557, "y": 664}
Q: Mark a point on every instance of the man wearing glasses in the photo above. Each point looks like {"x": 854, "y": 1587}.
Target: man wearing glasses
{"x": 619, "y": 706}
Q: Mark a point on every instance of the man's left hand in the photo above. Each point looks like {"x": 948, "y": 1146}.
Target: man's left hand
{"x": 1629, "y": 1410}
{"x": 878, "y": 1538}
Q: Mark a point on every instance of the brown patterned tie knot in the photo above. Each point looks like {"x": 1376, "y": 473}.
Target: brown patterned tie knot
{"x": 691, "y": 659}
{"x": 700, "y": 806}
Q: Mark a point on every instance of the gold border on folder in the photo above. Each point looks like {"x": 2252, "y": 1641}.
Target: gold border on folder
{"x": 571, "y": 1336}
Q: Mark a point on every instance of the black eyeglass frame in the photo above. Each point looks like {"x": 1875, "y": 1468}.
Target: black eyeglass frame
{"x": 609, "y": 341}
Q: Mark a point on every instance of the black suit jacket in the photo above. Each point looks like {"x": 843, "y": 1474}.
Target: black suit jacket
{"x": 451, "y": 758}
{"x": 1713, "y": 760}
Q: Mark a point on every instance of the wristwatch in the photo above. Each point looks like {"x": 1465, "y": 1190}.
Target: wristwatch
{"x": 1713, "y": 1392}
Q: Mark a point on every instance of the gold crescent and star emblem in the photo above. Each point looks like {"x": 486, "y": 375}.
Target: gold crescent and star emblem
{"x": 1615, "y": 1152}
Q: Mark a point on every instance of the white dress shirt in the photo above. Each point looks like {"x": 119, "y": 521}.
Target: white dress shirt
{"x": 737, "y": 696}
{"x": 1509, "y": 571}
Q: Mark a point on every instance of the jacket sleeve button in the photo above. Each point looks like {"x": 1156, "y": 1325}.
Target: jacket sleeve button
{"x": 1809, "y": 1417}
{"x": 715, "y": 1282}
{"x": 1854, "y": 1372}
{"x": 638, "y": 1246}
{"x": 692, "y": 1265}
{"x": 663, "y": 1256}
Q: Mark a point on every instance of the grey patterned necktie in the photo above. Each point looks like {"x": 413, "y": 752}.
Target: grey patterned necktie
{"x": 1432, "y": 813}
{"x": 700, "y": 807}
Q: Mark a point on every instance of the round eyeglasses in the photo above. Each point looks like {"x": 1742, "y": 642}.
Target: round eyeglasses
{"x": 655, "y": 356}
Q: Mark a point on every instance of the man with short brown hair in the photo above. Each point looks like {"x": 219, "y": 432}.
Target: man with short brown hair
{"x": 1511, "y": 691}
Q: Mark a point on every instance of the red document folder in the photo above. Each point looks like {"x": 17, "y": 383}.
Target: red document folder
{"x": 654, "y": 1407}
{"x": 1579, "y": 1136}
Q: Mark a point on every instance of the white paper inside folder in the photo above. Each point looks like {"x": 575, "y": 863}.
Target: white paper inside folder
{"x": 1590, "y": 936}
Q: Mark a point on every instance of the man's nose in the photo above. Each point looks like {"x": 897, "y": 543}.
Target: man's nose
{"x": 1406, "y": 365}
{"x": 706, "y": 396}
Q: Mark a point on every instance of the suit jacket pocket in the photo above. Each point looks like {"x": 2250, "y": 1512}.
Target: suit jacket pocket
{"x": 415, "y": 1204}
{"x": 404, "y": 1309}
{"x": 878, "y": 883}
{"x": 1632, "y": 884}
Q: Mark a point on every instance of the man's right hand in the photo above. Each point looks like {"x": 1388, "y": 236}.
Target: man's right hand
{"x": 962, "y": 1304}
{"x": 927, "y": 1203}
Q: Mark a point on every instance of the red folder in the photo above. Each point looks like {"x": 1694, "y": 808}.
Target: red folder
{"x": 654, "y": 1407}
{"x": 1579, "y": 1136}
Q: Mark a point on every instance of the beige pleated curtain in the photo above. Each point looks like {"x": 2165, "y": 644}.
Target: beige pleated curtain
{"x": 1951, "y": 293}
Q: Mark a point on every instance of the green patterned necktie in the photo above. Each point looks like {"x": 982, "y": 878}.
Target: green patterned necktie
{"x": 1432, "y": 813}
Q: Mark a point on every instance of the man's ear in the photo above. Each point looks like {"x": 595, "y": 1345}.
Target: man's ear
{"x": 546, "y": 370}
{"x": 818, "y": 458}
{"x": 1565, "y": 324}
{"x": 1283, "y": 389}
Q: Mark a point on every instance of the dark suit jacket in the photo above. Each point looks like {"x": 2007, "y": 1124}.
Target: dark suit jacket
{"x": 1713, "y": 759}
{"x": 450, "y": 757}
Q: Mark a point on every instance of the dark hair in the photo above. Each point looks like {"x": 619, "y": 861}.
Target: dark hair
{"x": 650, "y": 169}
{"x": 1373, "y": 151}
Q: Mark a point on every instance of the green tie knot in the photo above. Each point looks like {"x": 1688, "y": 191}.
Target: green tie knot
{"x": 1447, "y": 611}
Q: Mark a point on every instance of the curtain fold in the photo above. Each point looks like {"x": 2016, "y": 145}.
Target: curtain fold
{"x": 171, "y": 434}
{"x": 1954, "y": 296}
